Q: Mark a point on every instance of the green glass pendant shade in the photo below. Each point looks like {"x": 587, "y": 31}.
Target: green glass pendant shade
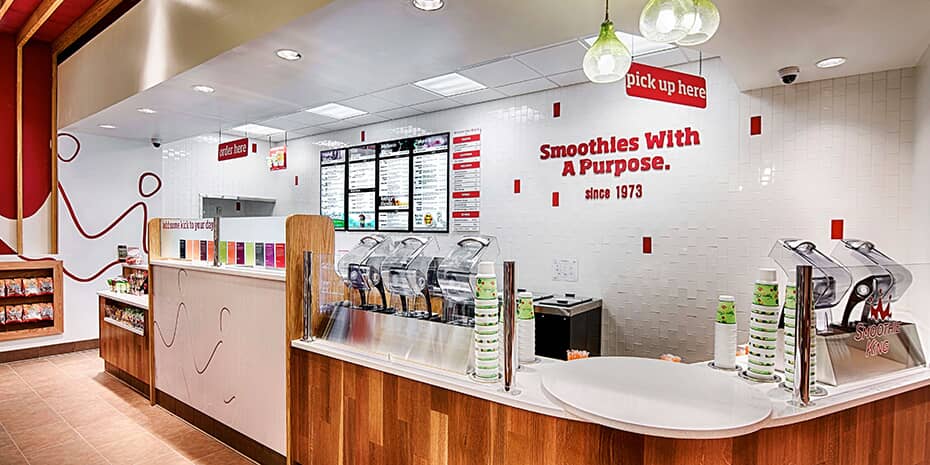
{"x": 706, "y": 20}
{"x": 667, "y": 21}
{"x": 608, "y": 60}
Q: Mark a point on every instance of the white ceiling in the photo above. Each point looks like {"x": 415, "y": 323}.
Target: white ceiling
{"x": 366, "y": 53}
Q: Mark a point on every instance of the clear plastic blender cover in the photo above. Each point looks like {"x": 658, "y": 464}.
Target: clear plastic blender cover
{"x": 406, "y": 269}
{"x": 360, "y": 254}
{"x": 831, "y": 279}
{"x": 864, "y": 260}
{"x": 457, "y": 271}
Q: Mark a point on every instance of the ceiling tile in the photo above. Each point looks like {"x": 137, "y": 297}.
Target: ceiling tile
{"x": 569, "y": 78}
{"x": 370, "y": 103}
{"x": 478, "y": 96}
{"x": 366, "y": 119}
{"x": 500, "y": 73}
{"x": 310, "y": 119}
{"x": 400, "y": 113}
{"x": 342, "y": 124}
{"x": 555, "y": 60}
{"x": 437, "y": 105}
{"x": 286, "y": 122}
{"x": 526, "y": 87}
{"x": 664, "y": 59}
{"x": 406, "y": 95}
{"x": 310, "y": 131}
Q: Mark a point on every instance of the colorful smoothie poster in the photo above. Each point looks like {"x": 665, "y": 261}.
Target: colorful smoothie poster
{"x": 182, "y": 249}
{"x": 223, "y": 252}
{"x": 240, "y": 253}
{"x": 195, "y": 250}
{"x": 203, "y": 251}
{"x": 269, "y": 255}
{"x": 231, "y": 253}
{"x": 279, "y": 252}
{"x": 250, "y": 254}
{"x": 259, "y": 254}
{"x": 211, "y": 249}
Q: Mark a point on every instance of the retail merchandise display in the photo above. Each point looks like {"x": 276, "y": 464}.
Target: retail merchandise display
{"x": 133, "y": 317}
{"x": 400, "y": 185}
{"x": 526, "y": 328}
{"x": 725, "y": 333}
{"x": 487, "y": 324}
{"x": 137, "y": 283}
{"x": 763, "y": 327}
{"x": 26, "y": 287}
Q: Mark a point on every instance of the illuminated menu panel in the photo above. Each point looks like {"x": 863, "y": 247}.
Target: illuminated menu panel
{"x": 431, "y": 183}
{"x": 394, "y": 185}
{"x": 363, "y": 172}
{"x": 333, "y": 186}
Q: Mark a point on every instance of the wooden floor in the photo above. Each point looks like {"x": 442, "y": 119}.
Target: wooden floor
{"x": 345, "y": 414}
{"x": 64, "y": 409}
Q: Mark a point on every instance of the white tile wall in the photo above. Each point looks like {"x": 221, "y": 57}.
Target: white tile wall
{"x": 842, "y": 148}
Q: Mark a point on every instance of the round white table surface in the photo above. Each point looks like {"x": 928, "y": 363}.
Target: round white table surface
{"x": 657, "y": 398}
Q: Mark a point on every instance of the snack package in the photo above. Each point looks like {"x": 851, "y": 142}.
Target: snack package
{"x": 30, "y": 286}
{"x": 2, "y": 316}
{"x": 47, "y": 311}
{"x": 14, "y": 314}
{"x": 46, "y": 285}
{"x": 14, "y": 287}
{"x": 32, "y": 313}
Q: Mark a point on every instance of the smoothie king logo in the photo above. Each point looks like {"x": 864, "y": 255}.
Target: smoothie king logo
{"x": 598, "y": 157}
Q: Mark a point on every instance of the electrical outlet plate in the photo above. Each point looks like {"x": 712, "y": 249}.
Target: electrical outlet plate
{"x": 565, "y": 269}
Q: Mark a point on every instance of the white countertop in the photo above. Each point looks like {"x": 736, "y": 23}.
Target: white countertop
{"x": 272, "y": 274}
{"x": 138, "y": 301}
{"x": 532, "y": 396}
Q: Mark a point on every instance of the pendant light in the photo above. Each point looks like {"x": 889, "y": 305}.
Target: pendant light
{"x": 608, "y": 60}
{"x": 706, "y": 20}
{"x": 667, "y": 21}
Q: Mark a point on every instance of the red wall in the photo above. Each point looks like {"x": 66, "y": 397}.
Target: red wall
{"x": 37, "y": 119}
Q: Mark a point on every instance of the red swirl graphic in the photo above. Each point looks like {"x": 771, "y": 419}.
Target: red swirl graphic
{"x": 116, "y": 222}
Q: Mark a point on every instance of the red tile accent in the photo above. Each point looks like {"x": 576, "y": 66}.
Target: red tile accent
{"x": 363, "y": 136}
{"x": 238, "y": 206}
{"x": 254, "y": 148}
{"x": 647, "y": 245}
{"x": 295, "y": 180}
{"x": 516, "y": 186}
{"x": 755, "y": 125}
{"x": 556, "y": 109}
{"x": 836, "y": 229}
{"x": 555, "y": 199}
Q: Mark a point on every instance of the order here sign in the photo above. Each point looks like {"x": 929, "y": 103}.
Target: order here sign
{"x": 232, "y": 149}
{"x": 665, "y": 85}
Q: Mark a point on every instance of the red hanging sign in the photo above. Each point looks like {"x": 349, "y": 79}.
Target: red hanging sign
{"x": 233, "y": 149}
{"x": 666, "y": 85}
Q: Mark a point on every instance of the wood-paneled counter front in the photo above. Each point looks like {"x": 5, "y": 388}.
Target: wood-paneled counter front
{"x": 347, "y": 414}
{"x": 124, "y": 349}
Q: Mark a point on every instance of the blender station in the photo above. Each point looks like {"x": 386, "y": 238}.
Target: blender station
{"x": 448, "y": 232}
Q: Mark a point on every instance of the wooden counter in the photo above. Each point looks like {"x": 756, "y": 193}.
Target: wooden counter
{"x": 346, "y": 414}
{"x": 125, "y": 350}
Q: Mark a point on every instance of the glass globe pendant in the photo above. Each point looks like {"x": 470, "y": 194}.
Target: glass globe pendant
{"x": 667, "y": 21}
{"x": 608, "y": 60}
{"x": 706, "y": 21}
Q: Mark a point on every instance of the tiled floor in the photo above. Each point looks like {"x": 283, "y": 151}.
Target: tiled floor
{"x": 65, "y": 410}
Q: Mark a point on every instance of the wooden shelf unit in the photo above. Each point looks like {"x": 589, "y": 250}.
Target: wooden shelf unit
{"x": 125, "y": 351}
{"x": 34, "y": 269}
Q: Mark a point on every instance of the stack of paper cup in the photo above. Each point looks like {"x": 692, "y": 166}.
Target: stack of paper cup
{"x": 526, "y": 328}
{"x": 791, "y": 298}
{"x": 725, "y": 335}
{"x": 487, "y": 324}
{"x": 763, "y": 326}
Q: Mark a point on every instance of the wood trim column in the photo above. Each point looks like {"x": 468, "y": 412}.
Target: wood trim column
{"x": 154, "y": 254}
{"x": 19, "y": 149}
{"x": 53, "y": 192}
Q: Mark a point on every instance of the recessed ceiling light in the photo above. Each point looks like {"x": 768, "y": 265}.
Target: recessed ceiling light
{"x": 451, "y": 84}
{"x": 257, "y": 129}
{"x": 428, "y": 5}
{"x": 337, "y": 111}
{"x": 288, "y": 54}
{"x": 147, "y": 111}
{"x": 204, "y": 89}
{"x": 831, "y": 62}
{"x": 107, "y": 126}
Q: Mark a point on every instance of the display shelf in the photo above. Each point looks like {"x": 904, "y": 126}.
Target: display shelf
{"x": 136, "y": 267}
{"x": 52, "y": 268}
{"x": 138, "y": 301}
{"x": 125, "y": 326}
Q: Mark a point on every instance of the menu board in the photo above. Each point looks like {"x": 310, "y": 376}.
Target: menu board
{"x": 362, "y": 184}
{"x": 400, "y": 185}
{"x": 431, "y": 183}
{"x": 333, "y": 186}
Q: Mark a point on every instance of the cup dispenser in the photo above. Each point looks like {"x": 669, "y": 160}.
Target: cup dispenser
{"x": 360, "y": 270}
{"x": 406, "y": 271}
{"x": 457, "y": 273}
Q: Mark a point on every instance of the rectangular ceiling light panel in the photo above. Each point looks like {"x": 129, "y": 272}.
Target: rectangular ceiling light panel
{"x": 336, "y": 111}
{"x": 257, "y": 129}
{"x": 451, "y": 84}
